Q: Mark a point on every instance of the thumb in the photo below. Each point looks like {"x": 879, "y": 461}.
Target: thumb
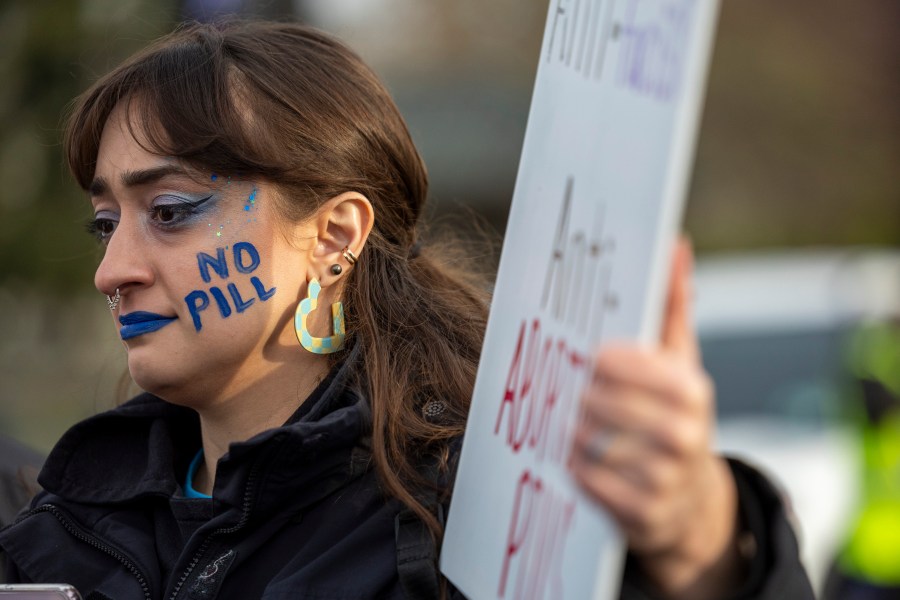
{"x": 678, "y": 335}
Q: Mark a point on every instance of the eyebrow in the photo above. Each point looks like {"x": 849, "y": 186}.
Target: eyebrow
{"x": 100, "y": 185}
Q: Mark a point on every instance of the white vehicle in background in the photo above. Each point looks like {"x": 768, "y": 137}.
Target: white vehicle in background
{"x": 774, "y": 328}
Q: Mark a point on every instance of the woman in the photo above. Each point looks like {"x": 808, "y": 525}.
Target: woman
{"x": 243, "y": 176}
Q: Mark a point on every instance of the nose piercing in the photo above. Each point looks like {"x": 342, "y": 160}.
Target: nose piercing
{"x": 113, "y": 301}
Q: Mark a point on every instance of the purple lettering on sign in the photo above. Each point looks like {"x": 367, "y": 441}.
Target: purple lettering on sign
{"x": 648, "y": 40}
{"x": 653, "y": 41}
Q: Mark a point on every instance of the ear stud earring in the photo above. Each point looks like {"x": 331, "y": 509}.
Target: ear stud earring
{"x": 336, "y": 269}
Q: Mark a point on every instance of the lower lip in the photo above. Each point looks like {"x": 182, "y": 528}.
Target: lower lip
{"x": 130, "y": 331}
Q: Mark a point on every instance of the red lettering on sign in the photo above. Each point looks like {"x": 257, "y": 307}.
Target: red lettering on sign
{"x": 539, "y": 393}
{"x": 540, "y": 523}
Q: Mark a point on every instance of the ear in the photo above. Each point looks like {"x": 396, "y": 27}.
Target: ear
{"x": 342, "y": 222}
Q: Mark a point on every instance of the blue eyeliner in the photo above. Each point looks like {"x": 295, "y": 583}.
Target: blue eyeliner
{"x": 140, "y": 322}
{"x": 175, "y": 210}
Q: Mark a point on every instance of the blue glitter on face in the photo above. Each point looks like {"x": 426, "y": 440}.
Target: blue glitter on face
{"x": 251, "y": 199}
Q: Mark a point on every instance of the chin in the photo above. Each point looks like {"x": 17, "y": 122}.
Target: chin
{"x": 156, "y": 375}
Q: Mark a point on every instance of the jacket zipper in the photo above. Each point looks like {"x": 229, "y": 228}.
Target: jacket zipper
{"x": 95, "y": 543}
{"x": 245, "y": 516}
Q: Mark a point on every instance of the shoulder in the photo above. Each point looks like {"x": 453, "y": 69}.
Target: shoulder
{"x": 123, "y": 452}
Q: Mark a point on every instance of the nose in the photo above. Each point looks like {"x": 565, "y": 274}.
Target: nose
{"x": 125, "y": 265}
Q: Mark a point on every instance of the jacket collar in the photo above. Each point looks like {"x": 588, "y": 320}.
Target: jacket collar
{"x": 142, "y": 448}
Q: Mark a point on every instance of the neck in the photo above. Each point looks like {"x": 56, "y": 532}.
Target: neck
{"x": 238, "y": 416}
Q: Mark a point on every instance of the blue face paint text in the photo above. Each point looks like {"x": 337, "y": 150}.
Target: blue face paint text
{"x": 245, "y": 259}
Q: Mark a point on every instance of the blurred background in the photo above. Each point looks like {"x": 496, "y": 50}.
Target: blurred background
{"x": 796, "y": 189}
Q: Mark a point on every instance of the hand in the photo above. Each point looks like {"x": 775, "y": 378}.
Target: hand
{"x": 643, "y": 450}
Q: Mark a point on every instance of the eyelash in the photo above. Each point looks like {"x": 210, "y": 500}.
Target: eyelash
{"x": 97, "y": 229}
{"x": 102, "y": 228}
{"x": 182, "y": 210}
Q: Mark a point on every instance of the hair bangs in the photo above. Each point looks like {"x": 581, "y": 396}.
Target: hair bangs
{"x": 182, "y": 100}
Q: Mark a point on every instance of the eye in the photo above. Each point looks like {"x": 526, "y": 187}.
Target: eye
{"x": 102, "y": 226}
{"x": 165, "y": 213}
{"x": 168, "y": 211}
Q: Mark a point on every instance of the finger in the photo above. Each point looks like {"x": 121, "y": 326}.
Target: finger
{"x": 678, "y": 335}
{"x": 664, "y": 430}
{"x": 627, "y": 409}
{"x": 634, "y": 457}
{"x": 608, "y": 485}
{"x": 638, "y": 512}
{"x": 660, "y": 374}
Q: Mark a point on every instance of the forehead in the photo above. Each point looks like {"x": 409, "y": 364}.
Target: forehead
{"x": 123, "y": 143}
{"x": 124, "y": 160}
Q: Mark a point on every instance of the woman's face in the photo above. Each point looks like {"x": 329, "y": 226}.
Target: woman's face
{"x": 208, "y": 282}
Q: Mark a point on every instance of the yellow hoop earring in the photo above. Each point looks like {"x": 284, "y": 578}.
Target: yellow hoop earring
{"x": 318, "y": 345}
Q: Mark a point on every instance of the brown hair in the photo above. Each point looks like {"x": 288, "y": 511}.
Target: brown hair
{"x": 288, "y": 104}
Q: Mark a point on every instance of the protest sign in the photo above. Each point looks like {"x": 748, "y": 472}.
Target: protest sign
{"x": 596, "y": 208}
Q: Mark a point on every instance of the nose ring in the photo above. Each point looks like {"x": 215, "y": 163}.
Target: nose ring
{"x": 113, "y": 301}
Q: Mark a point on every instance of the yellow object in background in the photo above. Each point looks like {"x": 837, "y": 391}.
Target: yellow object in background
{"x": 872, "y": 550}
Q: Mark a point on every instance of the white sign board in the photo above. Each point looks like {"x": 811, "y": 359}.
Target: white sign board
{"x": 596, "y": 209}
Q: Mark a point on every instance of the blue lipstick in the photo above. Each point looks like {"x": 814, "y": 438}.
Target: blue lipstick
{"x": 140, "y": 322}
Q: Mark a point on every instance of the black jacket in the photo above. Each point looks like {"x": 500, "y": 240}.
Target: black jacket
{"x": 19, "y": 466}
{"x": 296, "y": 513}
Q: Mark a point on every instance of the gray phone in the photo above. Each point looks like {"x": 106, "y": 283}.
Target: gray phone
{"x": 38, "y": 591}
